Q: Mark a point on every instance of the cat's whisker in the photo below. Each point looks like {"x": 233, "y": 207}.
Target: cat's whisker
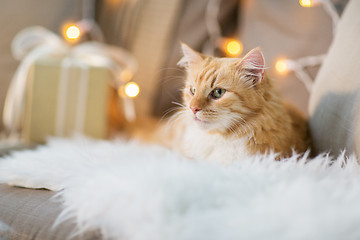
{"x": 227, "y": 124}
{"x": 245, "y": 123}
{"x": 239, "y": 130}
{"x": 243, "y": 127}
{"x": 232, "y": 128}
{"x": 174, "y": 79}
{"x": 179, "y": 104}
{"x": 173, "y": 68}
{"x": 209, "y": 114}
{"x": 170, "y": 110}
{"x": 161, "y": 71}
{"x": 180, "y": 90}
{"x": 171, "y": 77}
{"x": 174, "y": 118}
{"x": 257, "y": 66}
{"x": 173, "y": 108}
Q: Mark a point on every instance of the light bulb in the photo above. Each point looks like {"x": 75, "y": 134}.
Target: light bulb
{"x": 71, "y": 32}
{"x": 233, "y": 47}
{"x": 132, "y": 89}
{"x": 306, "y": 3}
{"x": 281, "y": 66}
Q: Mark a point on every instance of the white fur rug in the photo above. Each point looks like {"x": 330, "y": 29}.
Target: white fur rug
{"x": 137, "y": 192}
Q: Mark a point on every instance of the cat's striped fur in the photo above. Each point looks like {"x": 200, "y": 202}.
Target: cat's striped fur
{"x": 248, "y": 118}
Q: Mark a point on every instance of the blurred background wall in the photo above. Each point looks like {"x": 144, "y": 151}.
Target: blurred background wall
{"x": 152, "y": 30}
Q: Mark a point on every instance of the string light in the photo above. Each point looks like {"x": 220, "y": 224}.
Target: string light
{"x": 71, "y": 32}
{"x": 281, "y": 66}
{"x": 284, "y": 66}
{"x": 298, "y": 66}
{"x": 306, "y": 3}
{"x": 132, "y": 89}
{"x": 233, "y": 47}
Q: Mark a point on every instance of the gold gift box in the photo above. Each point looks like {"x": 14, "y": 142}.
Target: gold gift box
{"x": 85, "y": 108}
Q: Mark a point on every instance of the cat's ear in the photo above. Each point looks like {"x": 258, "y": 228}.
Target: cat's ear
{"x": 190, "y": 58}
{"x": 252, "y": 67}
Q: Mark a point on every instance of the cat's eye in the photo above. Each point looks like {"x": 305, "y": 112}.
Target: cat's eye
{"x": 217, "y": 93}
{"x": 192, "y": 90}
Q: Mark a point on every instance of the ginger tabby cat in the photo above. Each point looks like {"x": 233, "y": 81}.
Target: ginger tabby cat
{"x": 231, "y": 110}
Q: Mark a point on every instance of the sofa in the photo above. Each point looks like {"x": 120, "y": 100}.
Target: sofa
{"x": 333, "y": 102}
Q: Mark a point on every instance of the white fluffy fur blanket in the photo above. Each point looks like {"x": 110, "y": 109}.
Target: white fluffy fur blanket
{"x": 137, "y": 192}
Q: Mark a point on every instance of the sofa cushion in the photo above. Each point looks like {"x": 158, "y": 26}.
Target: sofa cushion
{"x": 334, "y": 103}
{"x": 29, "y": 214}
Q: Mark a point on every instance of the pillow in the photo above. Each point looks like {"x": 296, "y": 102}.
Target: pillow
{"x": 16, "y": 15}
{"x": 334, "y": 105}
{"x": 30, "y": 214}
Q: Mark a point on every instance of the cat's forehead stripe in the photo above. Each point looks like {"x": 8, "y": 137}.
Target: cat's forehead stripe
{"x": 215, "y": 79}
{"x": 205, "y": 73}
{"x": 200, "y": 75}
{"x": 210, "y": 74}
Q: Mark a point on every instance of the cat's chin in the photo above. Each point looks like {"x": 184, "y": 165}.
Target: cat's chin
{"x": 204, "y": 125}
{"x": 201, "y": 123}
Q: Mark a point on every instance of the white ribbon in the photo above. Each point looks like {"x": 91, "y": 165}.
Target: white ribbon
{"x": 34, "y": 43}
{"x": 62, "y": 96}
{"x": 82, "y": 96}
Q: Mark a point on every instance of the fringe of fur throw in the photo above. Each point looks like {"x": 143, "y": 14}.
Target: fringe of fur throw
{"x": 132, "y": 191}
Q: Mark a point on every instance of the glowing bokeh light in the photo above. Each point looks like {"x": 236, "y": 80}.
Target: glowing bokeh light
{"x": 132, "y": 89}
{"x": 306, "y": 3}
{"x": 72, "y": 32}
{"x": 281, "y": 66}
{"x": 233, "y": 48}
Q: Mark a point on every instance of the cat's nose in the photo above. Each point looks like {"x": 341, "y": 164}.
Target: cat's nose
{"x": 194, "y": 109}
